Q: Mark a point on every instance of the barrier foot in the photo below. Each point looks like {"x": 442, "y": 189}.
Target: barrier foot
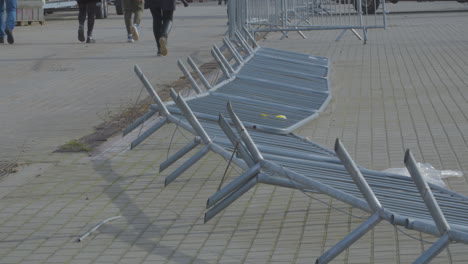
{"x": 200, "y": 154}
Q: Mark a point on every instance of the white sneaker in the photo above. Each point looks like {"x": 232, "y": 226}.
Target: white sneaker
{"x": 135, "y": 34}
{"x": 130, "y": 38}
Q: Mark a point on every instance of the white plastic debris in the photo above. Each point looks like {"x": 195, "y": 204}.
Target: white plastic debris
{"x": 429, "y": 173}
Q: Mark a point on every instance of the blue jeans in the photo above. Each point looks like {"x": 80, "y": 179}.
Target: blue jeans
{"x": 10, "y": 7}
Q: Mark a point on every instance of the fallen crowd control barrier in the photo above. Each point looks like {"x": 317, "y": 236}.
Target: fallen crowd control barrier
{"x": 268, "y": 152}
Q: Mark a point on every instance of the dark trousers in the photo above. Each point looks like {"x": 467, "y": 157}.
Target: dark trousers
{"x": 161, "y": 23}
{"x": 88, "y": 8}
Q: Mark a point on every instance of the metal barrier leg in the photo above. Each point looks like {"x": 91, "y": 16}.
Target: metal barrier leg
{"x": 233, "y": 51}
{"x": 371, "y": 199}
{"x": 352, "y": 237}
{"x": 426, "y": 193}
{"x": 183, "y": 106}
{"x": 235, "y": 141}
{"x": 234, "y": 185}
{"x": 433, "y": 207}
{"x": 189, "y": 77}
{"x": 200, "y": 154}
{"x": 179, "y": 154}
{"x": 220, "y": 64}
{"x": 148, "y": 132}
{"x": 434, "y": 250}
{"x": 151, "y": 91}
{"x": 251, "y": 37}
{"x": 199, "y": 73}
{"x": 230, "y": 199}
{"x": 138, "y": 122}
{"x": 223, "y": 59}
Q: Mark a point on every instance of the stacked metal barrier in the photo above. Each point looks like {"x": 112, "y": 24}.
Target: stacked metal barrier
{"x": 284, "y": 159}
{"x": 297, "y": 15}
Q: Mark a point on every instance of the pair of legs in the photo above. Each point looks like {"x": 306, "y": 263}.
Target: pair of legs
{"x": 7, "y": 26}
{"x": 135, "y": 8}
{"x": 86, "y": 9}
{"x": 162, "y": 24}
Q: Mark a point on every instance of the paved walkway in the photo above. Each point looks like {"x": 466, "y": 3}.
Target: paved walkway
{"x": 55, "y": 89}
{"x": 405, "y": 89}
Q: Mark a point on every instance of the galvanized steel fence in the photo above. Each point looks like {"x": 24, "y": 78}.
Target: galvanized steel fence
{"x": 299, "y": 15}
{"x": 284, "y": 159}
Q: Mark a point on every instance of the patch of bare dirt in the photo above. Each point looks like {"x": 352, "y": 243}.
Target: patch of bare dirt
{"x": 121, "y": 120}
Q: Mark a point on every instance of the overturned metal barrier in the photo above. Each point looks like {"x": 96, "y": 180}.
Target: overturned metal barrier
{"x": 284, "y": 159}
{"x": 271, "y": 99}
{"x": 371, "y": 191}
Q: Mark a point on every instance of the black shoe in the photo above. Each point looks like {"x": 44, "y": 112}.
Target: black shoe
{"x": 158, "y": 54}
{"x": 2, "y": 40}
{"x": 9, "y": 34}
{"x": 90, "y": 40}
{"x": 81, "y": 36}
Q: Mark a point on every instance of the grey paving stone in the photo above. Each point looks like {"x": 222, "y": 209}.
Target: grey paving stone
{"x": 404, "y": 89}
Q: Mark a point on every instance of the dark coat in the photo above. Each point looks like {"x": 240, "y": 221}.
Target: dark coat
{"x": 161, "y": 4}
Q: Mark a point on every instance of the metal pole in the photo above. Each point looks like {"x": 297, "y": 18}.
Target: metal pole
{"x": 187, "y": 164}
{"x": 220, "y": 63}
{"x": 233, "y": 51}
{"x": 434, "y": 250}
{"x": 426, "y": 193}
{"x": 148, "y": 132}
{"x": 179, "y": 154}
{"x": 189, "y": 76}
{"x": 191, "y": 118}
{"x": 233, "y": 185}
{"x": 138, "y": 122}
{"x": 232, "y": 11}
{"x": 235, "y": 141}
{"x": 244, "y": 134}
{"x": 223, "y": 59}
{"x": 230, "y": 199}
{"x": 358, "y": 179}
{"x": 252, "y": 39}
{"x": 199, "y": 73}
{"x": 352, "y": 237}
{"x": 244, "y": 45}
{"x": 150, "y": 89}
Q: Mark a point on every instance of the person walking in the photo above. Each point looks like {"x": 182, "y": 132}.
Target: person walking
{"x": 135, "y": 8}
{"x": 162, "y": 12}
{"x": 86, "y": 7}
{"x": 7, "y": 25}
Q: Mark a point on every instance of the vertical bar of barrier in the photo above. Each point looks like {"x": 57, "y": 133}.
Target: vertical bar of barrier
{"x": 186, "y": 165}
{"x": 231, "y": 12}
{"x": 148, "y": 132}
{"x": 150, "y": 89}
{"x": 244, "y": 134}
{"x": 426, "y": 193}
{"x": 220, "y": 63}
{"x": 352, "y": 237}
{"x": 189, "y": 76}
{"x": 235, "y": 141}
{"x": 189, "y": 115}
{"x": 358, "y": 179}
{"x": 233, "y": 51}
{"x": 179, "y": 154}
{"x": 199, "y": 73}
{"x": 223, "y": 59}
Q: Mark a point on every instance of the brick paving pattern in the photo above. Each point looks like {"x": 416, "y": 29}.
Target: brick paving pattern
{"x": 406, "y": 88}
